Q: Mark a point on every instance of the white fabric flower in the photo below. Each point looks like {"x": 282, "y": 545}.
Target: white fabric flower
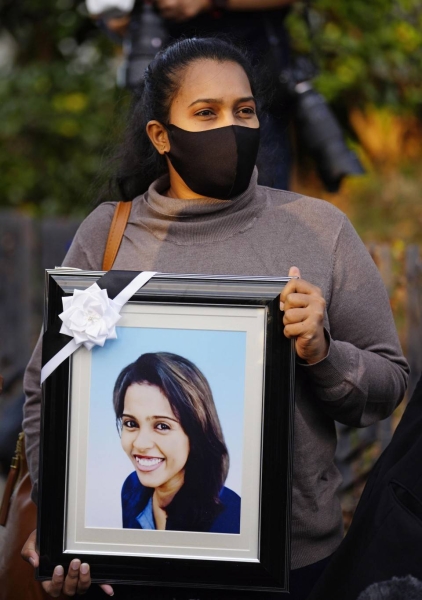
{"x": 90, "y": 317}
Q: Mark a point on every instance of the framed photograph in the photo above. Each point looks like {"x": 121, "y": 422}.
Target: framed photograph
{"x": 166, "y": 453}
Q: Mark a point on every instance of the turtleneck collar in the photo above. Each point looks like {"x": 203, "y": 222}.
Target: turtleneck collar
{"x": 200, "y": 220}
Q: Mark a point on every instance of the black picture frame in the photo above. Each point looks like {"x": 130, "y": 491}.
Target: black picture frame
{"x": 265, "y": 577}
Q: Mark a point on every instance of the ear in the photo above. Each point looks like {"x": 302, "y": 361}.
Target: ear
{"x": 158, "y": 135}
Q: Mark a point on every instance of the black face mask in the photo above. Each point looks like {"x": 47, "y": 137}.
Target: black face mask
{"x": 217, "y": 163}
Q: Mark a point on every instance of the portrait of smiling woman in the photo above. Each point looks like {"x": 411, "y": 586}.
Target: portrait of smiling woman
{"x": 170, "y": 430}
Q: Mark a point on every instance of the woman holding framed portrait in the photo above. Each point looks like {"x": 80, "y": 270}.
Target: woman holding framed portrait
{"x": 187, "y": 164}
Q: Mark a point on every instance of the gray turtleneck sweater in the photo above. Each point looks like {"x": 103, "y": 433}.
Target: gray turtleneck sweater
{"x": 265, "y": 232}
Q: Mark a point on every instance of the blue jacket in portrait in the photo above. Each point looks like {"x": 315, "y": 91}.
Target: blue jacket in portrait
{"x": 137, "y": 510}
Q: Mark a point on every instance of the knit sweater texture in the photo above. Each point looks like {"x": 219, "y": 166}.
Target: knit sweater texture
{"x": 265, "y": 232}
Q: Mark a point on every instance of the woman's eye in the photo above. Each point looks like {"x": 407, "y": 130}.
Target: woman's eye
{"x": 206, "y": 112}
{"x": 247, "y": 110}
{"x": 162, "y": 426}
{"x": 130, "y": 424}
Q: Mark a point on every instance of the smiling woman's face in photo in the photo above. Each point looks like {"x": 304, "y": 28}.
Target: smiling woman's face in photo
{"x": 153, "y": 438}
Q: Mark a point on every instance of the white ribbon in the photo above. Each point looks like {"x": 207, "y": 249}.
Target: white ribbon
{"x": 90, "y": 317}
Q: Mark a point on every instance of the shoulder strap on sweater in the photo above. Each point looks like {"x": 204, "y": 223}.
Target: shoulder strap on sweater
{"x": 115, "y": 235}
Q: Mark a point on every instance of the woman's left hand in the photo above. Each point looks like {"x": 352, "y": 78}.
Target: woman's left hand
{"x": 303, "y": 319}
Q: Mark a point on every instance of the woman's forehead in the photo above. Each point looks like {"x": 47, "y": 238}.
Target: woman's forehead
{"x": 146, "y": 397}
{"x": 210, "y": 79}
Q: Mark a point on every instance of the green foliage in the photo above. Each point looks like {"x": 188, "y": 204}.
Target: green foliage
{"x": 58, "y": 104}
{"x": 50, "y": 29}
{"x": 368, "y": 52}
{"x": 54, "y": 129}
{"x": 386, "y": 207}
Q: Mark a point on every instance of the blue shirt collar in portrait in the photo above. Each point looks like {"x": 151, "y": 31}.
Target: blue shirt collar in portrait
{"x": 146, "y": 517}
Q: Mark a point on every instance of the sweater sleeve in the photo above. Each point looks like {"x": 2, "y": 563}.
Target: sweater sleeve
{"x": 86, "y": 252}
{"x": 364, "y": 376}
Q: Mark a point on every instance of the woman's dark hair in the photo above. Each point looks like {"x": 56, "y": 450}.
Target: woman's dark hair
{"x": 139, "y": 162}
{"x": 190, "y": 397}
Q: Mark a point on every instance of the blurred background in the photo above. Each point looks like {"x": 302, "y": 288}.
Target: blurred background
{"x": 61, "y": 110}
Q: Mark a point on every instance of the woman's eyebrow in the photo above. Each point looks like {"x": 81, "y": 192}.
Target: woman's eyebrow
{"x": 207, "y": 101}
{"x": 220, "y": 100}
{"x": 151, "y": 418}
{"x": 162, "y": 417}
{"x": 246, "y": 99}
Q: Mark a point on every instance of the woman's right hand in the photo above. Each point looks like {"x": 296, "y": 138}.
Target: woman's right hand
{"x": 77, "y": 580}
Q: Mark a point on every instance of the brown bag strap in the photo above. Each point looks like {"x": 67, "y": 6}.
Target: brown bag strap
{"x": 115, "y": 235}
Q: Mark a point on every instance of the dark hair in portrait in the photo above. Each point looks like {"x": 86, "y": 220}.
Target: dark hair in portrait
{"x": 138, "y": 163}
{"x": 197, "y": 503}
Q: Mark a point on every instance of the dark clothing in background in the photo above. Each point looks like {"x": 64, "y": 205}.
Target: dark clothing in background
{"x": 248, "y": 28}
{"x": 407, "y": 588}
{"x": 385, "y": 538}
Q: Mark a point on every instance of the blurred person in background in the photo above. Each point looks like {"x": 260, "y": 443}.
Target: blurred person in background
{"x": 382, "y": 548}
